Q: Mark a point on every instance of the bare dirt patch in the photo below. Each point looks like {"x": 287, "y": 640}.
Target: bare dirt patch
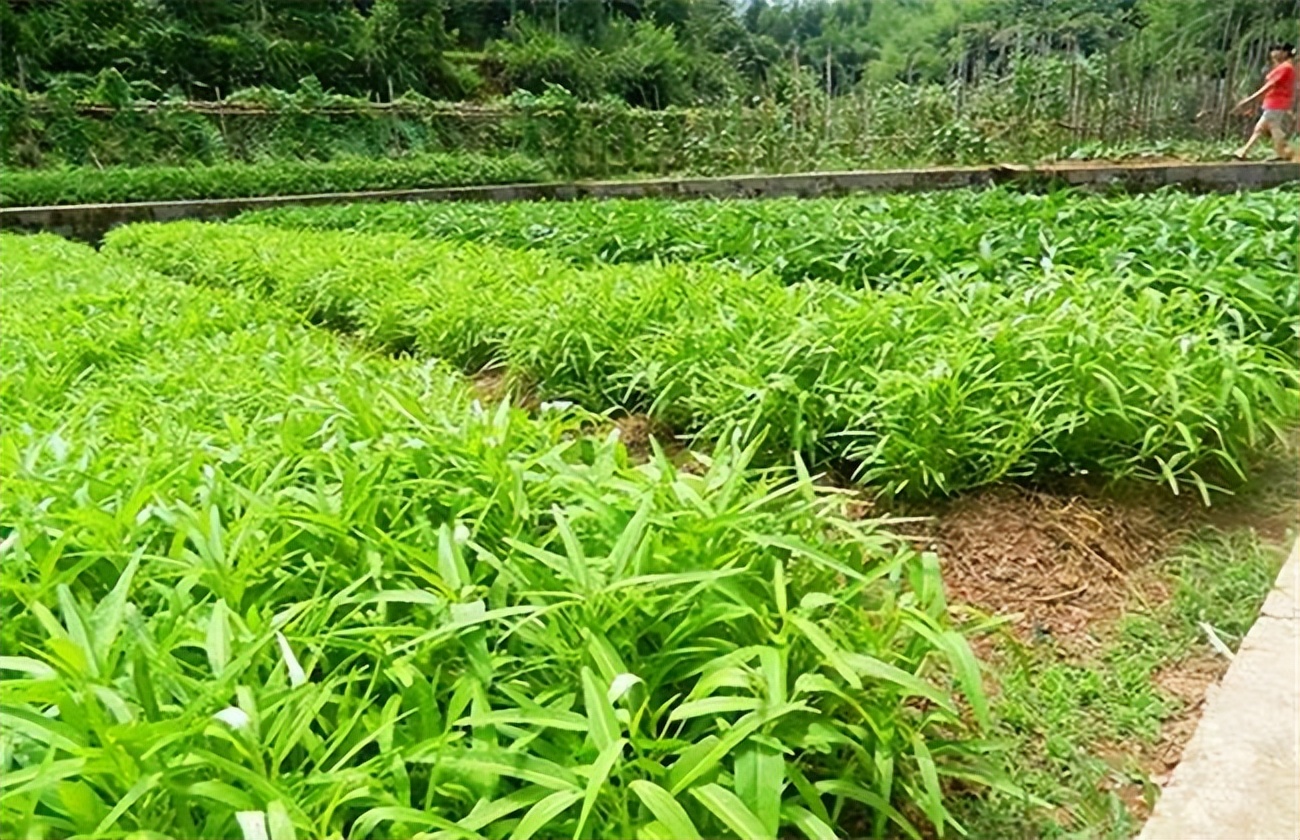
{"x": 639, "y": 433}
{"x": 1189, "y": 680}
{"x": 1055, "y": 565}
{"x": 1064, "y": 566}
{"x": 493, "y": 385}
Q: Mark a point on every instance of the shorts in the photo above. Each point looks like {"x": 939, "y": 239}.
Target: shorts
{"x": 1273, "y": 120}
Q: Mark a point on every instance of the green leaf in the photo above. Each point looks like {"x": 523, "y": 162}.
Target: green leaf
{"x": 655, "y": 830}
{"x": 371, "y": 819}
{"x": 816, "y": 600}
{"x": 33, "y": 668}
{"x": 728, "y": 808}
{"x": 807, "y": 792}
{"x": 598, "y": 772}
{"x": 666, "y": 809}
{"x": 801, "y": 549}
{"x": 873, "y": 668}
{"x": 709, "y": 756}
{"x": 576, "y": 557}
{"x": 960, "y": 656}
{"x": 849, "y": 790}
{"x": 813, "y": 827}
{"x": 629, "y": 540}
{"x": 773, "y": 664}
{"x": 603, "y": 724}
{"x": 224, "y": 794}
{"x": 217, "y": 640}
{"x": 778, "y": 588}
{"x": 932, "y": 800}
{"x": 549, "y": 718}
{"x": 827, "y": 648}
{"x": 714, "y": 706}
{"x": 603, "y": 654}
{"x": 543, "y": 812}
{"x": 963, "y": 661}
{"x": 528, "y": 768}
{"x": 142, "y": 786}
{"x": 81, "y": 802}
{"x": 487, "y": 812}
{"x": 76, "y": 624}
{"x": 760, "y": 781}
{"x": 278, "y": 822}
{"x": 51, "y": 732}
{"x": 107, "y": 616}
{"x": 451, "y": 566}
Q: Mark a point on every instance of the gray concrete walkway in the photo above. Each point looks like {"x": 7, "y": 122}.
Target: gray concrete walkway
{"x": 91, "y": 221}
{"x": 1239, "y": 778}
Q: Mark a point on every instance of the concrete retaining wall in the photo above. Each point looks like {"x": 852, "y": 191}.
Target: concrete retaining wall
{"x": 91, "y": 221}
{"x": 1239, "y": 778}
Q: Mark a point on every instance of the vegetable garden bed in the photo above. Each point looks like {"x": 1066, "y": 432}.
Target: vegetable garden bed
{"x": 92, "y": 185}
{"x": 256, "y": 576}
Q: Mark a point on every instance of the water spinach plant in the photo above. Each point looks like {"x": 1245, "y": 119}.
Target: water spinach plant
{"x": 1237, "y": 249}
{"x": 259, "y": 581}
{"x": 94, "y": 185}
{"x": 925, "y": 387}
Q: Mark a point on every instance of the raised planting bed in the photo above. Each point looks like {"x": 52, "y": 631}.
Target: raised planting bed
{"x": 143, "y": 184}
{"x": 326, "y": 533}
{"x": 918, "y": 388}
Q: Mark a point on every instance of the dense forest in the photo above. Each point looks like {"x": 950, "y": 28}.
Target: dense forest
{"x": 649, "y": 53}
{"x": 608, "y": 87}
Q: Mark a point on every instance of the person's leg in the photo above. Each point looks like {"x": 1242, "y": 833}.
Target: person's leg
{"x": 1277, "y": 125}
{"x": 1258, "y": 132}
{"x": 1274, "y": 122}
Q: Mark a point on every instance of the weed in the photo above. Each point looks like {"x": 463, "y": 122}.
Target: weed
{"x": 1080, "y": 725}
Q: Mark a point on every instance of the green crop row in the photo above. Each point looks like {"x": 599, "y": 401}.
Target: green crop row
{"x": 90, "y": 185}
{"x": 255, "y": 581}
{"x": 1241, "y": 248}
{"x": 922, "y": 388}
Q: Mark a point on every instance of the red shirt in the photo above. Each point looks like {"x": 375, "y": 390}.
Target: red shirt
{"x": 1281, "y": 88}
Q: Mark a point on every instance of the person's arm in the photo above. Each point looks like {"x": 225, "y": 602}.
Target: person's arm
{"x": 1256, "y": 95}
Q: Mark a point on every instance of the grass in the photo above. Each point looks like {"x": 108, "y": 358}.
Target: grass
{"x": 253, "y": 576}
{"x": 1079, "y": 723}
{"x": 93, "y": 185}
{"x": 924, "y": 388}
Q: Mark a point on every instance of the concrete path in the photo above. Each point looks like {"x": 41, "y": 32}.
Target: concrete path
{"x": 1239, "y": 778}
{"x": 91, "y": 221}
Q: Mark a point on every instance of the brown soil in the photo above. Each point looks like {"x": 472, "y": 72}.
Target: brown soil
{"x": 637, "y": 431}
{"x": 1189, "y": 681}
{"x": 1054, "y": 565}
{"x": 1061, "y": 567}
{"x": 493, "y": 385}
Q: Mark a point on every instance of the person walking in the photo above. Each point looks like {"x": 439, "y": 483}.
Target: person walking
{"x": 1278, "y": 93}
